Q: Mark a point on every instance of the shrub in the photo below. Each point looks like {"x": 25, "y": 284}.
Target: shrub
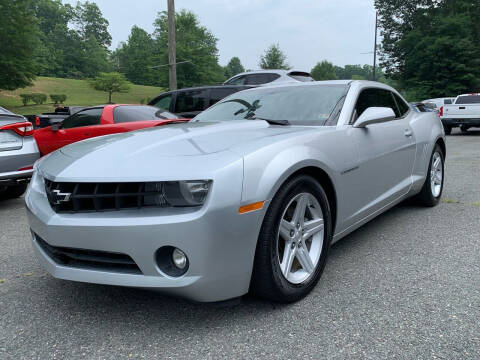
{"x": 58, "y": 98}
{"x": 26, "y": 98}
{"x": 38, "y": 98}
{"x": 142, "y": 101}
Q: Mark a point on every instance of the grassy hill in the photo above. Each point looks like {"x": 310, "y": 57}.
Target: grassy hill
{"x": 78, "y": 93}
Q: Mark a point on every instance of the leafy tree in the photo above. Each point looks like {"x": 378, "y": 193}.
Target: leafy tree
{"x": 18, "y": 32}
{"x": 94, "y": 58}
{"x": 71, "y": 51}
{"x": 112, "y": 83}
{"x": 324, "y": 71}
{"x": 90, "y": 23}
{"x": 52, "y": 18}
{"x": 195, "y": 44}
{"x": 274, "y": 58}
{"x": 233, "y": 67}
{"x": 135, "y": 58}
{"x": 431, "y": 48}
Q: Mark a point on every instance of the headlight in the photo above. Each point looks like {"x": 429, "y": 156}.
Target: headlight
{"x": 178, "y": 193}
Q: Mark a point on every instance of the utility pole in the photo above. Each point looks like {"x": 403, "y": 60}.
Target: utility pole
{"x": 375, "y": 49}
{"x": 172, "y": 52}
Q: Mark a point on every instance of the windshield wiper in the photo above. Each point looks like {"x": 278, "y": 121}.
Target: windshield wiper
{"x": 272, "y": 122}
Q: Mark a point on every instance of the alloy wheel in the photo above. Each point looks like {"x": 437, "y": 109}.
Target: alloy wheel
{"x": 300, "y": 238}
{"x": 436, "y": 174}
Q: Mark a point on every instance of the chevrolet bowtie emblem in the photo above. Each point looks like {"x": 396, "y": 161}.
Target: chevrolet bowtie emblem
{"x": 59, "y": 197}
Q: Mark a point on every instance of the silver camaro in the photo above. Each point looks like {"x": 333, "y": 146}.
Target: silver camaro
{"x": 247, "y": 196}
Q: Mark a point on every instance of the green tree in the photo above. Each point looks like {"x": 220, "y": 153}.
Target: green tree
{"x": 431, "y": 48}
{"x": 233, "y": 67}
{"x": 136, "y": 58}
{"x": 19, "y": 35}
{"x": 274, "y": 58}
{"x": 112, "y": 83}
{"x": 324, "y": 71}
{"x": 90, "y": 23}
{"x": 196, "y": 45}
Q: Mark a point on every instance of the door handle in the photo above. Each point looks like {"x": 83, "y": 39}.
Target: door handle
{"x": 408, "y": 133}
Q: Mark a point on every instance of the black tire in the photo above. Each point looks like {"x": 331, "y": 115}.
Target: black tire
{"x": 426, "y": 197}
{"x": 448, "y": 130}
{"x": 464, "y": 129}
{"x": 268, "y": 281}
{"x": 12, "y": 192}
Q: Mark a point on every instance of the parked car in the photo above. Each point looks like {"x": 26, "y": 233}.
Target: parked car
{"x": 262, "y": 77}
{"x": 437, "y": 103}
{"x": 98, "y": 121}
{"x": 18, "y": 152}
{"x": 48, "y": 119}
{"x": 188, "y": 103}
{"x": 463, "y": 113}
{"x": 249, "y": 195}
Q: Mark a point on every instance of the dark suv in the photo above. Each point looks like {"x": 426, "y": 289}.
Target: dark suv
{"x": 188, "y": 103}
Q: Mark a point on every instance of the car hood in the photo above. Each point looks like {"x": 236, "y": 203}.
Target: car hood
{"x": 176, "y": 148}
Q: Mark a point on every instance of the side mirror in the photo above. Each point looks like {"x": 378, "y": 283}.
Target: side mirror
{"x": 55, "y": 127}
{"x": 374, "y": 115}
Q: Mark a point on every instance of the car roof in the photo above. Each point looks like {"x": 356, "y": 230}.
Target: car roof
{"x": 272, "y": 71}
{"x": 206, "y": 87}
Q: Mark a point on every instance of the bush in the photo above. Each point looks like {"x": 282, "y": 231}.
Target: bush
{"x": 38, "y": 98}
{"x": 142, "y": 101}
{"x": 58, "y": 98}
{"x": 26, "y": 98}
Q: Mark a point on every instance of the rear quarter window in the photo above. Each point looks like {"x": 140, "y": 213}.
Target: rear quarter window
{"x": 471, "y": 99}
{"x": 259, "y": 79}
{"x": 123, "y": 114}
{"x": 190, "y": 101}
{"x": 218, "y": 94}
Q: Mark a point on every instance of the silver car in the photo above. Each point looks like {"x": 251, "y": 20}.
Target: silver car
{"x": 18, "y": 152}
{"x": 269, "y": 77}
{"x": 248, "y": 196}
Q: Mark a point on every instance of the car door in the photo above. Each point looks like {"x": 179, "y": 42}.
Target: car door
{"x": 74, "y": 128}
{"x": 386, "y": 154}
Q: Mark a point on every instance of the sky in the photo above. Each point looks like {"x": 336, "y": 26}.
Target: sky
{"x": 308, "y": 31}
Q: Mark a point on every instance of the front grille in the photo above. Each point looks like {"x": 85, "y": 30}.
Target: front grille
{"x": 89, "y": 259}
{"x": 90, "y": 197}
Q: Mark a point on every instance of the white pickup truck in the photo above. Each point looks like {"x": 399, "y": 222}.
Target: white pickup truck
{"x": 464, "y": 112}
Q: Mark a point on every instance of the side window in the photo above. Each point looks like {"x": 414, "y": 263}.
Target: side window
{"x": 83, "y": 118}
{"x": 259, "y": 79}
{"x": 239, "y": 80}
{"x": 193, "y": 100}
{"x": 403, "y": 108}
{"x": 374, "y": 98}
{"x": 218, "y": 94}
{"x": 163, "y": 102}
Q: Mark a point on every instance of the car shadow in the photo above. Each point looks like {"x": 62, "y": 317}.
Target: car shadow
{"x": 470, "y": 132}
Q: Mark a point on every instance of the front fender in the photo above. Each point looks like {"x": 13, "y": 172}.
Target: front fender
{"x": 267, "y": 169}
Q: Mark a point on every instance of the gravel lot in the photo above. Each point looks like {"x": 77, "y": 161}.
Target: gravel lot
{"x": 405, "y": 286}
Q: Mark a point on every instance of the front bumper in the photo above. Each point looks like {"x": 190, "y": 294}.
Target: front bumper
{"x": 219, "y": 243}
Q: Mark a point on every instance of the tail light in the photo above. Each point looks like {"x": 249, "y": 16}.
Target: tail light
{"x": 22, "y": 129}
{"x": 441, "y": 111}
{"x": 37, "y": 120}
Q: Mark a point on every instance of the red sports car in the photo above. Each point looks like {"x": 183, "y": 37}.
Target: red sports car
{"x": 101, "y": 120}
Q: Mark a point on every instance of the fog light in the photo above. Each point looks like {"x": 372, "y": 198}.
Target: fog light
{"x": 179, "y": 258}
{"x": 172, "y": 261}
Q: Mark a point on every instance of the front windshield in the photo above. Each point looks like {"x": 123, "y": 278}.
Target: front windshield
{"x": 299, "y": 105}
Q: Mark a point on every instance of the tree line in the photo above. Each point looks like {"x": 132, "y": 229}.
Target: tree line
{"x": 429, "y": 47}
